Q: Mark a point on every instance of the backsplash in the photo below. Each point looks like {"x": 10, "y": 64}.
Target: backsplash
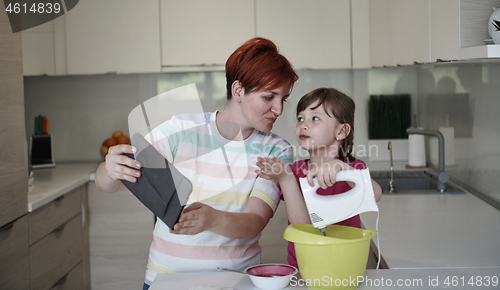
{"x": 85, "y": 110}
{"x": 469, "y": 94}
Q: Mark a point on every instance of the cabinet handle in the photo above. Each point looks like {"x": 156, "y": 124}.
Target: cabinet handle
{"x": 59, "y": 198}
{"x": 60, "y": 282}
{"x": 7, "y": 226}
{"x": 58, "y": 229}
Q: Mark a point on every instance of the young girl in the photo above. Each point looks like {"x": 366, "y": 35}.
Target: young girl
{"x": 325, "y": 125}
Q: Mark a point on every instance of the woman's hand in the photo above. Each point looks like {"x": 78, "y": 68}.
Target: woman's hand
{"x": 116, "y": 167}
{"x": 196, "y": 218}
{"x": 326, "y": 172}
{"x": 120, "y": 166}
{"x": 272, "y": 168}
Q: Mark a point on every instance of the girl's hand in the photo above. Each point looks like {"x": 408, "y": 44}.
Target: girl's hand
{"x": 326, "y": 172}
{"x": 196, "y": 218}
{"x": 119, "y": 166}
{"x": 272, "y": 168}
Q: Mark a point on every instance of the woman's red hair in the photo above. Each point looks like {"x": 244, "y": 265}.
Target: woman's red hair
{"x": 259, "y": 66}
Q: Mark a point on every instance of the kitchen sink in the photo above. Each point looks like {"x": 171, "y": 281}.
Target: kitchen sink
{"x": 413, "y": 182}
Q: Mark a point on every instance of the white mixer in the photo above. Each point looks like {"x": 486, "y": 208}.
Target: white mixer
{"x": 325, "y": 210}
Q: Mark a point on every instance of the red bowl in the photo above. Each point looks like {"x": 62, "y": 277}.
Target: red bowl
{"x": 269, "y": 270}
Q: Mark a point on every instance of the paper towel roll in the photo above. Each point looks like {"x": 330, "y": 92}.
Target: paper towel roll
{"x": 416, "y": 150}
{"x": 449, "y": 144}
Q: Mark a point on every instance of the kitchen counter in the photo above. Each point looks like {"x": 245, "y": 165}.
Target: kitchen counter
{"x": 50, "y": 183}
{"x": 437, "y": 230}
{"x": 437, "y": 278}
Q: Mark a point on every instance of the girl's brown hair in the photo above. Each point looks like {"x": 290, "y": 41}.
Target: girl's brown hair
{"x": 259, "y": 66}
{"x": 341, "y": 106}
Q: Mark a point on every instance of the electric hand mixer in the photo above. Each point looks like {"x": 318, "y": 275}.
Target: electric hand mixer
{"x": 325, "y": 210}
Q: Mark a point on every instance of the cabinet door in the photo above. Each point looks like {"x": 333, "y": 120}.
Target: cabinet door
{"x": 113, "y": 36}
{"x": 399, "y": 32}
{"x": 54, "y": 214}
{"x": 71, "y": 281}
{"x": 120, "y": 233}
{"x": 380, "y": 26}
{"x": 38, "y": 50}
{"x": 44, "y": 48}
{"x": 200, "y": 32}
{"x": 13, "y": 156}
{"x": 56, "y": 254}
{"x": 15, "y": 255}
{"x": 445, "y": 42}
{"x": 410, "y": 29}
{"x": 311, "y": 34}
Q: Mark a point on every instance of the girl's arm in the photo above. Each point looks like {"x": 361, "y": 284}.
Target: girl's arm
{"x": 377, "y": 190}
{"x": 277, "y": 169}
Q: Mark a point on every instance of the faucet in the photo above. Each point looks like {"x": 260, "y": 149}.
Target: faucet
{"x": 442, "y": 176}
{"x": 391, "y": 182}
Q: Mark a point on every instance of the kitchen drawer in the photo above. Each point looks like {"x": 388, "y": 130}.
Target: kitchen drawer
{"x": 15, "y": 255}
{"x": 71, "y": 281}
{"x": 56, "y": 254}
{"x": 52, "y": 215}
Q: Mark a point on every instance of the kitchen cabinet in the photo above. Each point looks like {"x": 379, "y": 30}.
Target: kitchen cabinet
{"x": 399, "y": 32}
{"x": 38, "y": 50}
{"x": 311, "y": 34}
{"x": 444, "y": 42}
{"x": 410, "y": 31}
{"x": 203, "y": 33}
{"x": 120, "y": 234}
{"x": 13, "y": 148}
{"x": 15, "y": 255}
{"x": 458, "y": 30}
{"x": 113, "y": 36}
{"x": 57, "y": 244}
{"x": 405, "y": 32}
{"x": 14, "y": 236}
{"x": 44, "y": 49}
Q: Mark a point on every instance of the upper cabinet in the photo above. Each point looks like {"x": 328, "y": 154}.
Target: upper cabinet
{"x": 311, "y": 34}
{"x": 406, "y": 32}
{"x": 399, "y": 32}
{"x": 38, "y": 50}
{"x": 113, "y": 36}
{"x": 151, "y": 36}
{"x": 203, "y": 33}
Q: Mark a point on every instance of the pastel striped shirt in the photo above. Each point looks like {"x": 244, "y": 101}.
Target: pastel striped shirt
{"x": 223, "y": 175}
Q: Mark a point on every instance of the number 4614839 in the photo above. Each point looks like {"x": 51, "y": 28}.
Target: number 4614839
{"x": 472, "y": 281}
{"x": 34, "y": 8}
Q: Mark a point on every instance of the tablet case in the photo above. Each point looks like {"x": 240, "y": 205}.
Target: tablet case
{"x": 161, "y": 187}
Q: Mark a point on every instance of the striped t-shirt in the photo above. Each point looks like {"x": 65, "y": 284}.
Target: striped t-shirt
{"x": 223, "y": 175}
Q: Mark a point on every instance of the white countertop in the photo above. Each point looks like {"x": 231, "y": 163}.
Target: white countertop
{"x": 50, "y": 183}
{"x": 437, "y": 230}
{"x": 374, "y": 279}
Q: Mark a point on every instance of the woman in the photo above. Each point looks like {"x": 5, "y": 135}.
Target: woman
{"x": 221, "y": 226}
